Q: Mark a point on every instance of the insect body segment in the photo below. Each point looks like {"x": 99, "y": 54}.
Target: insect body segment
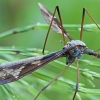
{"x": 76, "y": 52}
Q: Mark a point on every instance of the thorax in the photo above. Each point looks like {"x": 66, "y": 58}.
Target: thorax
{"x": 76, "y": 52}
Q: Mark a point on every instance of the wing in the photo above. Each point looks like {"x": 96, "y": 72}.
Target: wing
{"x": 15, "y": 70}
{"x": 55, "y": 24}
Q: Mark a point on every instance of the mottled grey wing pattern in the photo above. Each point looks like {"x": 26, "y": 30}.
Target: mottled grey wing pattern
{"x": 12, "y": 71}
{"x": 55, "y": 24}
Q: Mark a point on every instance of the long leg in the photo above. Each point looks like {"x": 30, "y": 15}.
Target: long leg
{"x": 51, "y": 81}
{"x": 77, "y": 81}
{"x": 56, "y": 8}
{"x": 83, "y": 15}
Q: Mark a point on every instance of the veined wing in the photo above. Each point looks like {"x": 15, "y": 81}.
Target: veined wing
{"x": 15, "y": 70}
{"x": 55, "y": 24}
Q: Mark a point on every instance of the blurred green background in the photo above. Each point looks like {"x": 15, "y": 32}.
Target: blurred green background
{"x": 19, "y": 13}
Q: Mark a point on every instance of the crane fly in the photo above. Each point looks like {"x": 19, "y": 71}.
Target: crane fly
{"x": 73, "y": 50}
{"x": 79, "y": 47}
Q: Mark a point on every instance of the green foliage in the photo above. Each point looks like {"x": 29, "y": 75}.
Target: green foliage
{"x": 87, "y": 27}
{"x": 26, "y": 84}
{"x": 15, "y": 46}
